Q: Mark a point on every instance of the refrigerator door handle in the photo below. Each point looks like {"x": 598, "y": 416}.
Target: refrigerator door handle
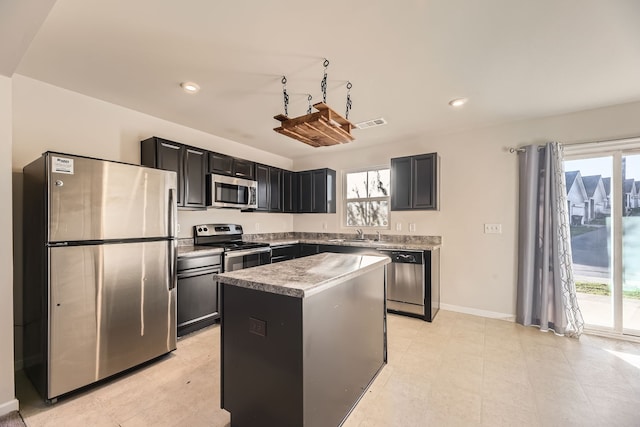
{"x": 173, "y": 274}
{"x": 173, "y": 207}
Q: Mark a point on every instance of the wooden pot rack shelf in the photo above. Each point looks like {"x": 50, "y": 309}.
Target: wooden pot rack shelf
{"x": 320, "y": 129}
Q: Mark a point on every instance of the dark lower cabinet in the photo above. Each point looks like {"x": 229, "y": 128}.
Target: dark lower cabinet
{"x": 188, "y": 162}
{"x": 284, "y": 253}
{"x": 414, "y": 182}
{"x": 307, "y": 249}
{"x": 197, "y": 292}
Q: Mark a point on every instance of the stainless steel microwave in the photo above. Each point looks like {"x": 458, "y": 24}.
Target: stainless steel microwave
{"x": 230, "y": 192}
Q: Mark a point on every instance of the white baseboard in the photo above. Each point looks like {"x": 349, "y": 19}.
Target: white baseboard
{"x": 9, "y": 406}
{"x": 481, "y": 313}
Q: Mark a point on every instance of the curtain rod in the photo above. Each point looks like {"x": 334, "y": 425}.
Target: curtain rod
{"x": 611, "y": 141}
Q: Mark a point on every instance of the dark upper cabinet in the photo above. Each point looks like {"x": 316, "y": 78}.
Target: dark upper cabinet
{"x": 262, "y": 176}
{"x": 195, "y": 170}
{"x": 304, "y": 192}
{"x": 220, "y": 164}
{"x": 243, "y": 168}
{"x": 188, "y": 162}
{"x": 231, "y": 166}
{"x": 289, "y": 191}
{"x": 317, "y": 191}
{"x": 275, "y": 189}
{"x": 269, "y": 188}
{"x": 414, "y": 182}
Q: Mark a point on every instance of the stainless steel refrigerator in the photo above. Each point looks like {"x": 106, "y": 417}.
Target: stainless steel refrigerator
{"x": 99, "y": 269}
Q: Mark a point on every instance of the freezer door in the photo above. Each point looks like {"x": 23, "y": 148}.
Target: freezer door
{"x": 111, "y": 307}
{"x": 93, "y": 199}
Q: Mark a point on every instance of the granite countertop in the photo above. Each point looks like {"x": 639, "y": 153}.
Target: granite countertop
{"x": 363, "y": 244}
{"x": 191, "y": 250}
{"x": 303, "y": 277}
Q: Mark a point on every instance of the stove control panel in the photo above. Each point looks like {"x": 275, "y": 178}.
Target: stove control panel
{"x": 217, "y": 229}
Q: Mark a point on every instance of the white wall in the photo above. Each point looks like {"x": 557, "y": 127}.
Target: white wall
{"x": 8, "y": 401}
{"x": 46, "y": 117}
{"x": 479, "y": 184}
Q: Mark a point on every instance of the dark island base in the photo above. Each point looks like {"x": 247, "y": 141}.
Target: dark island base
{"x": 290, "y": 361}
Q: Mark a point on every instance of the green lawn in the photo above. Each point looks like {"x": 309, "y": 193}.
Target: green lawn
{"x": 603, "y": 289}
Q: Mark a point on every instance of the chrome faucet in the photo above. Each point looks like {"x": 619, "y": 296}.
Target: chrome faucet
{"x": 378, "y": 238}
{"x": 359, "y": 234}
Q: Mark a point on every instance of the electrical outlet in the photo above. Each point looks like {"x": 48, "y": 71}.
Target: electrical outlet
{"x": 324, "y": 225}
{"x": 398, "y": 226}
{"x": 412, "y": 227}
{"x": 493, "y": 229}
{"x": 177, "y": 228}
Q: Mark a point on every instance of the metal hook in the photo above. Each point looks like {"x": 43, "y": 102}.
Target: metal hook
{"x": 284, "y": 80}
{"x": 349, "y": 85}
{"x": 326, "y": 63}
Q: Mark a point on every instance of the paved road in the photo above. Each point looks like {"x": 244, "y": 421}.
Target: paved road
{"x": 591, "y": 248}
{"x": 591, "y": 253}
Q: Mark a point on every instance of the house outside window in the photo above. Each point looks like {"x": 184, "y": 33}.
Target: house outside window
{"x": 367, "y": 198}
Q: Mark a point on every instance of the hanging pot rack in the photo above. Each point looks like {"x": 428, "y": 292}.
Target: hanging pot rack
{"x": 322, "y": 128}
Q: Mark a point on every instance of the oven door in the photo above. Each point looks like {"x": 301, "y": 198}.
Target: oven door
{"x": 237, "y": 260}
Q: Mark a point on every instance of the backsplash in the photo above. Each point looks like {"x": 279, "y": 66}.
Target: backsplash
{"x": 297, "y": 235}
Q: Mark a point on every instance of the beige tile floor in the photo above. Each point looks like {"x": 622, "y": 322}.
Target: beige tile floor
{"x": 460, "y": 370}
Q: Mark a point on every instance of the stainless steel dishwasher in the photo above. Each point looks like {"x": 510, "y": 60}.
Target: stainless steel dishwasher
{"x": 410, "y": 290}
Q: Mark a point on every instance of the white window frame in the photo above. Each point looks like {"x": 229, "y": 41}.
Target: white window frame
{"x": 616, "y": 149}
{"x": 364, "y": 199}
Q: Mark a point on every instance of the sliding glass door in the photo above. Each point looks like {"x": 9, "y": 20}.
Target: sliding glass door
{"x": 603, "y": 193}
{"x": 631, "y": 244}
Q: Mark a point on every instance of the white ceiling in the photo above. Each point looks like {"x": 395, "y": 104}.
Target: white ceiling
{"x": 406, "y": 59}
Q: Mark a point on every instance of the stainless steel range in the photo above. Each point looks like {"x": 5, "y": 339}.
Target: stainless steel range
{"x": 237, "y": 254}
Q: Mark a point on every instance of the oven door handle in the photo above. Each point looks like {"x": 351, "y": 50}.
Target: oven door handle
{"x": 241, "y": 253}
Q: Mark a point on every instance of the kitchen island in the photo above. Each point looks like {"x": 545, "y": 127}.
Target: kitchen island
{"x": 301, "y": 339}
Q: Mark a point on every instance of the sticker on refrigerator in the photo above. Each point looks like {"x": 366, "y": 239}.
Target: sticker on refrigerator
{"x": 62, "y": 165}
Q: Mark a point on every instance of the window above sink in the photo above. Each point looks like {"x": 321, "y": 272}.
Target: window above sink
{"x": 366, "y": 198}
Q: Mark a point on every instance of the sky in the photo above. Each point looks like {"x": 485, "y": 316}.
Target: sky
{"x": 602, "y": 166}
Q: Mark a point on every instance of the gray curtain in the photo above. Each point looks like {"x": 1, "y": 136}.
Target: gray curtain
{"x": 546, "y": 295}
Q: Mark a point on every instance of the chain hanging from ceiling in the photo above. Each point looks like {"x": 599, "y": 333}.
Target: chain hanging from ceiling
{"x": 323, "y": 83}
{"x": 285, "y": 95}
{"x": 309, "y": 98}
{"x": 349, "y": 86}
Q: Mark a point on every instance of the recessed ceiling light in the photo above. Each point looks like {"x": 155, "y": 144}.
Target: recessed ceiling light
{"x": 190, "y": 87}
{"x": 458, "y": 102}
